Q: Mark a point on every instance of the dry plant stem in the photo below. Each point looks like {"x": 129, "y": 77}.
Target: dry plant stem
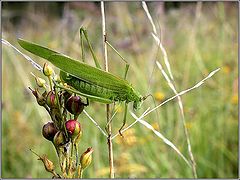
{"x": 109, "y": 124}
{"x": 171, "y": 84}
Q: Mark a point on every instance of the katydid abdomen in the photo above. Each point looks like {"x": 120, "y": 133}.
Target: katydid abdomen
{"x": 101, "y": 93}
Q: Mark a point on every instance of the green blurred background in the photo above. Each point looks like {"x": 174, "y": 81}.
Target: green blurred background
{"x": 198, "y": 37}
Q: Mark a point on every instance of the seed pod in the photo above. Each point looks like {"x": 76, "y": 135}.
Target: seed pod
{"x": 74, "y": 105}
{"x": 73, "y": 128}
{"x": 59, "y": 139}
{"x": 47, "y": 163}
{"x": 40, "y": 98}
{"x": 51, "y": 99}
{"x": 49, "y": 130}
{"x": 40, "y": 82}
{"x": 66, "y": 95}
{"x": 47, "y": 70}
{"x": 86, "y": 158}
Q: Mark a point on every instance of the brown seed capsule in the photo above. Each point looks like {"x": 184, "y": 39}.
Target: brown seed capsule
{"x": 40, "y": 99}
{"x": 49, "y": 130}
{"x": 73, "y": 128}
{"x": 74, "y": 105}
{"x": 86, "y": 158}
{"x": 47, "y": 163}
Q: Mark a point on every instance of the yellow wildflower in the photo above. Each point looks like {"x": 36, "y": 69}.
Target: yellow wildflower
{"x": 119, "y": 109}
{"x": 129, "y": 138}
{"x": 226, "y": 69}
{"x": 188, "y": 125}
{"x": 156, "y": 126}
{"x": 159, "y": 96}
{"x": 234, "y": 99}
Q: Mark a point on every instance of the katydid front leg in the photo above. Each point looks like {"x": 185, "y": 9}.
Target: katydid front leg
{"x": 84, "y": 32}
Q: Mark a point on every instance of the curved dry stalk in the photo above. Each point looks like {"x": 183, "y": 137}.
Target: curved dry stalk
{"x": 172, "y": 86}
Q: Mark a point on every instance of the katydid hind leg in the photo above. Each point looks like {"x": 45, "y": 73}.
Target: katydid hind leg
{"x": 112, "y": 114}
{"x": 124, "y": 119}
{"x": 122, "y": 58}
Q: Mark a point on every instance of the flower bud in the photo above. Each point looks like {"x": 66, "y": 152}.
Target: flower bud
{"x": 86, "y": 158}
{"x": 59, "y": 139}
{"x": 40, "y": 82}
{"x": 47, "y": 70}
{"x": 75, "y": 105}
{"x": 73, "y": 128}
{"x": 57, "y": 78}
{"x": 47, "y": 163}
{"x": 49, "y": 130}
{"x": 40, "y": 99}
{"x": 51, "y": 99}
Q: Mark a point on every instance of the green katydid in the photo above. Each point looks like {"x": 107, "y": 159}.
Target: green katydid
{"x": 88, "y": 81}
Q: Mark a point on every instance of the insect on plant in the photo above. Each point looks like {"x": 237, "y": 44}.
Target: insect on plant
{"x": 85, "y": 80}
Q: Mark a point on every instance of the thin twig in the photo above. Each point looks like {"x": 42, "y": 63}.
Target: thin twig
{"x": 95, "y": 123}
{"x": 109, "y": 125}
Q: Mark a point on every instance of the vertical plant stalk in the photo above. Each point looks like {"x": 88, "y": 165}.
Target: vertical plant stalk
{"x": 171, "y": 83}
{"x": 109, "y": 124}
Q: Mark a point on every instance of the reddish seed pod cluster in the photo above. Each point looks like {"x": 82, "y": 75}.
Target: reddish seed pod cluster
{"x": 60, "y": 104}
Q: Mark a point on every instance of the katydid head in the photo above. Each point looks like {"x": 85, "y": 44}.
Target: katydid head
{"x": 138, "y": 103}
